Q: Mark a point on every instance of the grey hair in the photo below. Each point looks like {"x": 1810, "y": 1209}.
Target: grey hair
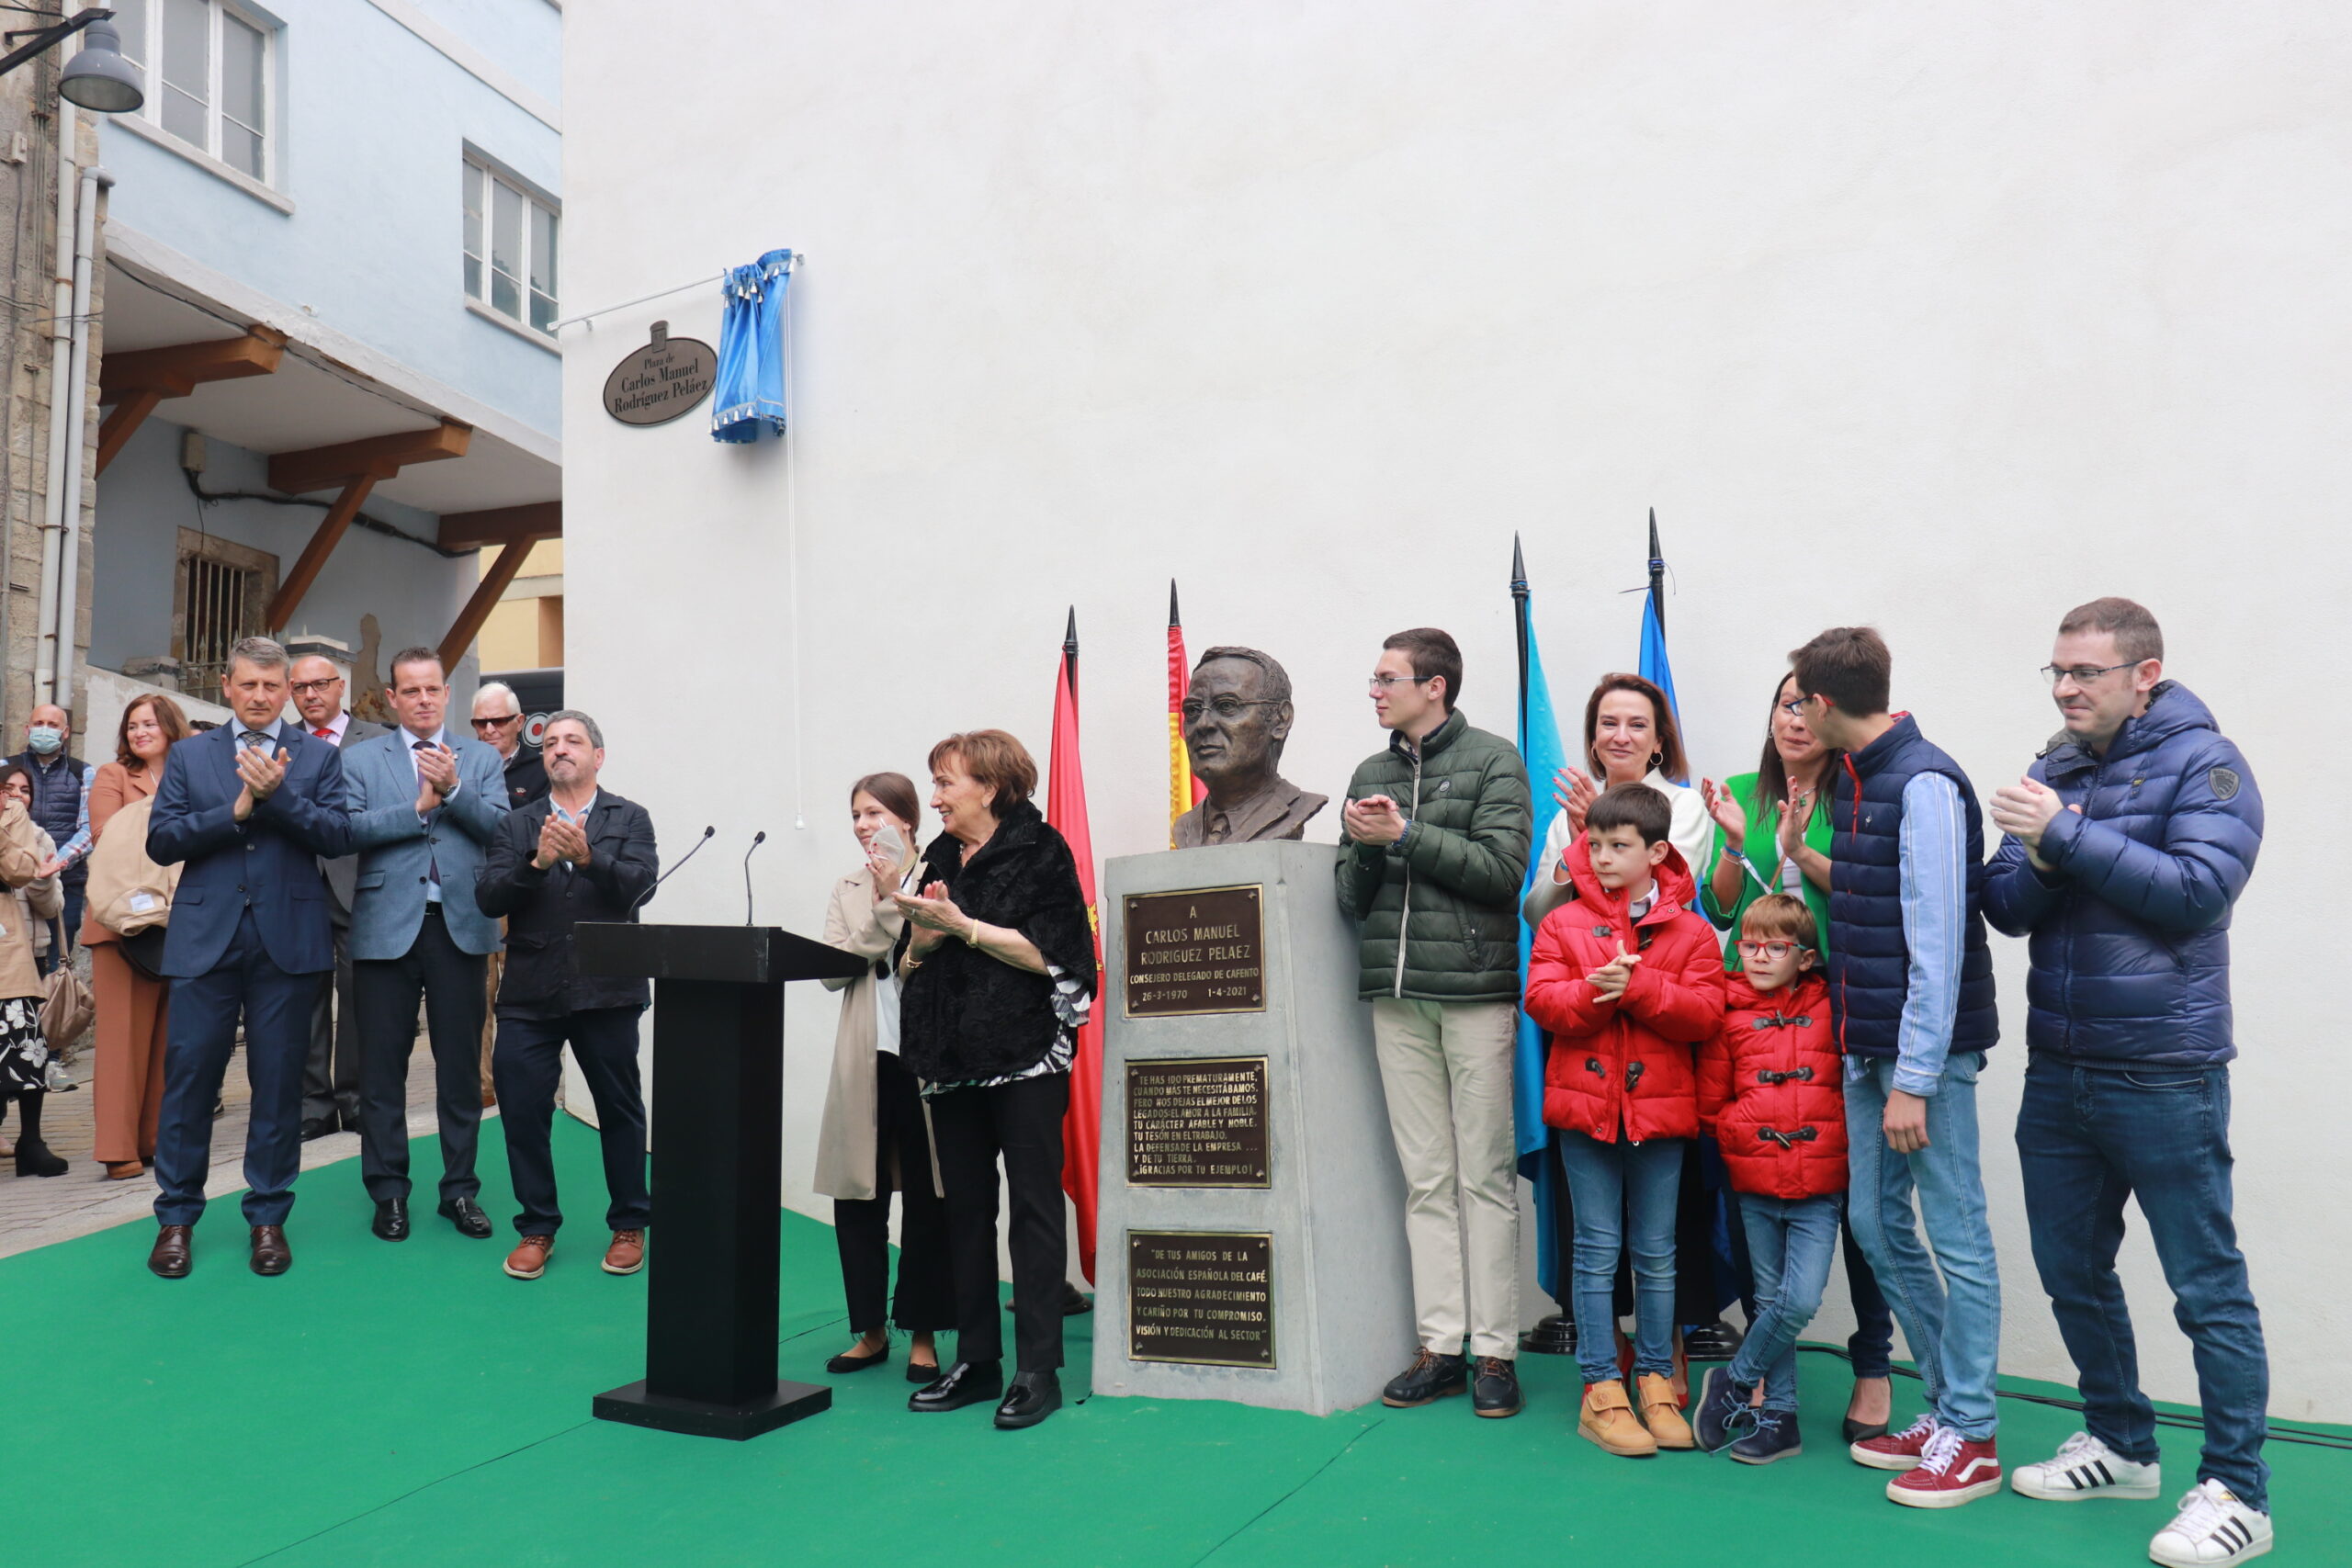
{"x": 1277, "y": 678}
{"x": 261, "y": 652}
{"x": 502, "y": 689}
{"x": 595, "y": 735}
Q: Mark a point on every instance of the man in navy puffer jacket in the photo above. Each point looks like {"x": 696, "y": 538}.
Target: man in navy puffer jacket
{"x": 2128, "y": 843}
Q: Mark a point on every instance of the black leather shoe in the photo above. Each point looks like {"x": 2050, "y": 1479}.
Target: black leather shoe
{"x": 966, "y": 1383}
{"x": 467, "y": 1215}
{"x": 316, "y": 1127}
{"x": 846, "y": 1363}
{"x": 170, "y": 1258}
{"x": 1716, "y": 1341}
{"x": 1431, "y": 1377}
{"x": 1075, "y": 1302}
{"x": 1494, "y": 1388}
{"x": 1863, "y": 1431}
{"x": 1031, "y": 1398}
{"x": 391, "y": 1219}
{"x": 271, "y": 1254}
{"x": 1553, "y": 1336}
{"x": 918, "y": 1372}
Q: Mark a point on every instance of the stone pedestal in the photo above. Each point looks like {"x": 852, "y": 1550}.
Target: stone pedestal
{"x": 1250, "y": 1240}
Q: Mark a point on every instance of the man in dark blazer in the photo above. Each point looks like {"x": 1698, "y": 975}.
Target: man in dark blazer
{"x": 578, "y": 854}
{"x": 423, "y": 805}
{"x": 246, "y": 810}
{"x": 331, "y": 1073}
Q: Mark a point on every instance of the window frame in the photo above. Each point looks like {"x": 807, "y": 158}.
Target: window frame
{"x": 146, "y": 53}
{"x": 491, "y": 177}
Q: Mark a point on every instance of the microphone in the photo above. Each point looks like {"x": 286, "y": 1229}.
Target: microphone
{"x": 666, "y": 875}
{"x": 757, "y": 839}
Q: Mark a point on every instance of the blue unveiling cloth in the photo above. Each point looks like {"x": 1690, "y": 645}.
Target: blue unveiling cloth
{"x": 751, "y": 350}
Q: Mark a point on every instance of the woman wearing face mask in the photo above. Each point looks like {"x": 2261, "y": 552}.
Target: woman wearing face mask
{"x": 133, "y": 1006}
{"x": 874, "y": 1137}
{"x": 25, "y": 848}
{"x": 1771, "y": 835}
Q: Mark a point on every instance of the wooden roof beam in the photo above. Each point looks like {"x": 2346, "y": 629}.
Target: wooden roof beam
{"x": 177, "y": 370}
{"x": 376, "y": 457}
{"x": 502, "y": 526}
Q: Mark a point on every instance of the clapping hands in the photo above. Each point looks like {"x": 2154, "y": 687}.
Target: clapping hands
{"x": 1612, "y": 978}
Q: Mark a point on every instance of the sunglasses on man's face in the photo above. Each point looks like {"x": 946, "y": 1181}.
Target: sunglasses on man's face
{"x": 494, "y": 723}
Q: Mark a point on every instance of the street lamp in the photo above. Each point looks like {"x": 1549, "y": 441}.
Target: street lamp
{"x": 97, "y": 78}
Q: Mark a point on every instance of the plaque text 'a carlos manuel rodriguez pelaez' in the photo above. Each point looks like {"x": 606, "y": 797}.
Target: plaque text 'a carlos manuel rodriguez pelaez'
{"x": 1197, "y": 951}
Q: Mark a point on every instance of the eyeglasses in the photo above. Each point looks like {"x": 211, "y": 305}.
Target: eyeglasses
{"x": 1226, "y": 708}
{"x": 1379, "y": 684}
{"x": 1774, "y": 950}
{"x": 311, "y": 688}
{"x": 1795, "y": 709}
{"x": 493, "y": 723}
{"x": 2082, "y": 674}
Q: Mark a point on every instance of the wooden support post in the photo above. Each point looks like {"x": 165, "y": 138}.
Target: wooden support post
{"x": 115, "y": 434}
{"x": 500, "y": 577}
{"x": 314, "y": 554}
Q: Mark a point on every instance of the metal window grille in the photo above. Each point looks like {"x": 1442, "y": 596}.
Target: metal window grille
{"x": 224, "y": 602}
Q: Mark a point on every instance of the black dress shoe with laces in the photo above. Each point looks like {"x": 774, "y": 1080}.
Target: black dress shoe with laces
{"x": 1031, "y": 1398}
{"x": 1431, "y": 1377}
{"x": 170, "y": 1258}
{"x": 966, "y": 1383}
{"x": 467, "y": 1215}
{"x": 391, "y": 1219}
{"x": 271, "y": 1254}
{"x": 1494, "y": 1388}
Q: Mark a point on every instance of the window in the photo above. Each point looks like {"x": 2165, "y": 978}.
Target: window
{"x": 220, "y": 593}
{"x": 510, "y": 248}
{"x": 207, "y": 76}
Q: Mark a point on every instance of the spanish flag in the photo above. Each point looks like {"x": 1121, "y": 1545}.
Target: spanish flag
{"x": 1184, "y": 792}
{"x": 1066, "y": 811}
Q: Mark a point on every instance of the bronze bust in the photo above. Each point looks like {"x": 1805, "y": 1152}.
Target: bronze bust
{"x": 1237, "y": 715}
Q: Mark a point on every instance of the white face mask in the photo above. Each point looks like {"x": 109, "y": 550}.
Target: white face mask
{"x": 44, "y": 738}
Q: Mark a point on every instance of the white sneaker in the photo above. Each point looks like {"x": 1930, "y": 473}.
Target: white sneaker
{"x": 2087, "y": 1468}
{"x": 2213, "y": 1527}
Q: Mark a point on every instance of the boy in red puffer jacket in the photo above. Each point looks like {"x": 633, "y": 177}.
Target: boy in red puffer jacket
{"x": 1628, "y": 978}
{"x": 1771, "y": 1092}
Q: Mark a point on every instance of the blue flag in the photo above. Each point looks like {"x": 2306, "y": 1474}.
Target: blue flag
{"x": 1540, "y": 748}
{"x": 1654, "y": 667}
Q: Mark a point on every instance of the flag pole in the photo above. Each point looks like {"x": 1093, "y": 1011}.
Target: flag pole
{"x": 1069, "y": 650}
{"x": 1657, "y": 575}
{"x": 1519, "y": 617}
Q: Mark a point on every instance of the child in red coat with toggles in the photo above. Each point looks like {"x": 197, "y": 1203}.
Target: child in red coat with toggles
{"x": 1771, "y": 1092}
{"x": 1628, "y": 978}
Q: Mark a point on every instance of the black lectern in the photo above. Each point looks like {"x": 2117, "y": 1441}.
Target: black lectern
{"x": 718, "y": 1108}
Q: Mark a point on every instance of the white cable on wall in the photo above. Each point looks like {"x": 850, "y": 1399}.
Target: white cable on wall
{"x": 792, "y": 547}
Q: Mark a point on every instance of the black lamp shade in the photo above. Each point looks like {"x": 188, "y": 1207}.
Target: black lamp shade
{"x": 99, "y": 78}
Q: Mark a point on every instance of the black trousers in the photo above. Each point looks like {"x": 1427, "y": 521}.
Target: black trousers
{"x": 331, "y": 1073}
{"x": 925, "y": 1300}
{"x": 1020, "y": 1123}
{"x": 386, "y": 990}
{"x": 527, "y": 1062}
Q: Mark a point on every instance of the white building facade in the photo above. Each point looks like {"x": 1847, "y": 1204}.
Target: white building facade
{"x": 1941, "y": 321}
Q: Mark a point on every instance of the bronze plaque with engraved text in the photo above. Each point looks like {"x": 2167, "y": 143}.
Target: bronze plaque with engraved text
{"x": 1201, "y": 1297}
{"x": 1197, "y": 951}
{"x": 1196, "y": 1122}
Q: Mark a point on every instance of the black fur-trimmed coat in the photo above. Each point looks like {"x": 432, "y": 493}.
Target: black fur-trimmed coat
{"x": 964, "y": 1015}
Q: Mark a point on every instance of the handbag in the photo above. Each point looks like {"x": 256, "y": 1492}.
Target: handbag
{"x": 68, "y": 1008}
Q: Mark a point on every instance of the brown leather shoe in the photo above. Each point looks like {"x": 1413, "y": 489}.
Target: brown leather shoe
{"x": 271, "y": 1254}
{"x": 124, "y": 1169}
{"x": 1662, "y": 1413}
{"x": 529, "y": 1258}
{"x": 1607, "y": 1418}
{"x": 627, "y": 1255}
{"x": 170, "y": 1258}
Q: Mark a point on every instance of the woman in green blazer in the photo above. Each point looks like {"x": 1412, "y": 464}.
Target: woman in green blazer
{"x": 1771, "y": 827}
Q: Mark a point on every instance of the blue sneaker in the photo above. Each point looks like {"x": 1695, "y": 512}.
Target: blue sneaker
{"x": 1775, "y": 1436}
{"x": 1723, "y": 1412}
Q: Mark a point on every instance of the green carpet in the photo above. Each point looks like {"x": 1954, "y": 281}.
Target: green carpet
{"x": 410, "y": 1406}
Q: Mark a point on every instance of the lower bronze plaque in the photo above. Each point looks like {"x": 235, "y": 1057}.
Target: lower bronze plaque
{"x": 1198, "y": 951}
{"x": 1196, "y": 1122}
{"x": 1204, "y": 1297}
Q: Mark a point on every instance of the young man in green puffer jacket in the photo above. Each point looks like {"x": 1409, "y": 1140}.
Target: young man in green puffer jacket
{"x": 1433, "y": 851}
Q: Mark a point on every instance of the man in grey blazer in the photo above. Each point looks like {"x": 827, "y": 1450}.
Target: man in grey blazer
{"x": 331, "y": 1074}
{"x": 423, "y": 804}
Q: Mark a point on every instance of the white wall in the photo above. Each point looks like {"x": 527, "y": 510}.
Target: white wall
{"x": 1940, "y": 318}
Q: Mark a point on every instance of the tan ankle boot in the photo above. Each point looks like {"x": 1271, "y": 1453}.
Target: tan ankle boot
{"x": 1662, "y": 1413}
{"x": 1607, "y": 1418}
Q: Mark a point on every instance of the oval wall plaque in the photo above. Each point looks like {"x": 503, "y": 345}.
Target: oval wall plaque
{"x": 666, "y": 378}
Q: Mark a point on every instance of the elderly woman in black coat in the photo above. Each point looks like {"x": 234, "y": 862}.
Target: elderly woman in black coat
{"x": 1000, "y": 977}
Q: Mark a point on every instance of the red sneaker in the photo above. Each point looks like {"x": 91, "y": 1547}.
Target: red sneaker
{"x": 1953, "y": 1470}
{"x": 1895, "y": 1450}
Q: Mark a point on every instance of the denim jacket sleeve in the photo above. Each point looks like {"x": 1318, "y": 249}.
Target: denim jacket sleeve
{"x": 1935, "y": 908}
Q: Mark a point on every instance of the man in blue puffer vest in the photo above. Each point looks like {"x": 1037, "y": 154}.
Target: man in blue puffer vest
{"x": 2128, "y": 842}
{"x": 1911, "y": 989}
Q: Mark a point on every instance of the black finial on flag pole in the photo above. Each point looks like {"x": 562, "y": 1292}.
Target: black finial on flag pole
{"x": 1519, "y": 619}
{"x": 1658, "y": 574}
{"x": 1172, "y": 603}
{"x": 1069, "y": 650}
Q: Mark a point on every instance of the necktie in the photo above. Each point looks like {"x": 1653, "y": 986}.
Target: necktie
{"x": 324, "y": 733}
{"x": 249, "y": 738}
{"x": 432, "y": 861}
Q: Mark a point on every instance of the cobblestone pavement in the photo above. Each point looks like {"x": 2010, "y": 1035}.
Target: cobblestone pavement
{"x": 35, "y": 1210}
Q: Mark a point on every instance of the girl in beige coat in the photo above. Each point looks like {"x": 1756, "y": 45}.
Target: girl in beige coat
{"x": 875, "y": 1136}
{"x": 24, "y": 1054}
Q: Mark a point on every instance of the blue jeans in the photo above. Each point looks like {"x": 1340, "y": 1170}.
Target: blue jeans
{"x": 1790, "y": 1243}
{"x": 1626, "y": 1196}
{"x": 1949, "y": 1302}
{"x": 2087, "y": 1140}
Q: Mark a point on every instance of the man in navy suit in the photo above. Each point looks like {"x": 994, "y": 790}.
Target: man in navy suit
{"x": 246, "y": 810}
{"x": 422, "y": 805}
